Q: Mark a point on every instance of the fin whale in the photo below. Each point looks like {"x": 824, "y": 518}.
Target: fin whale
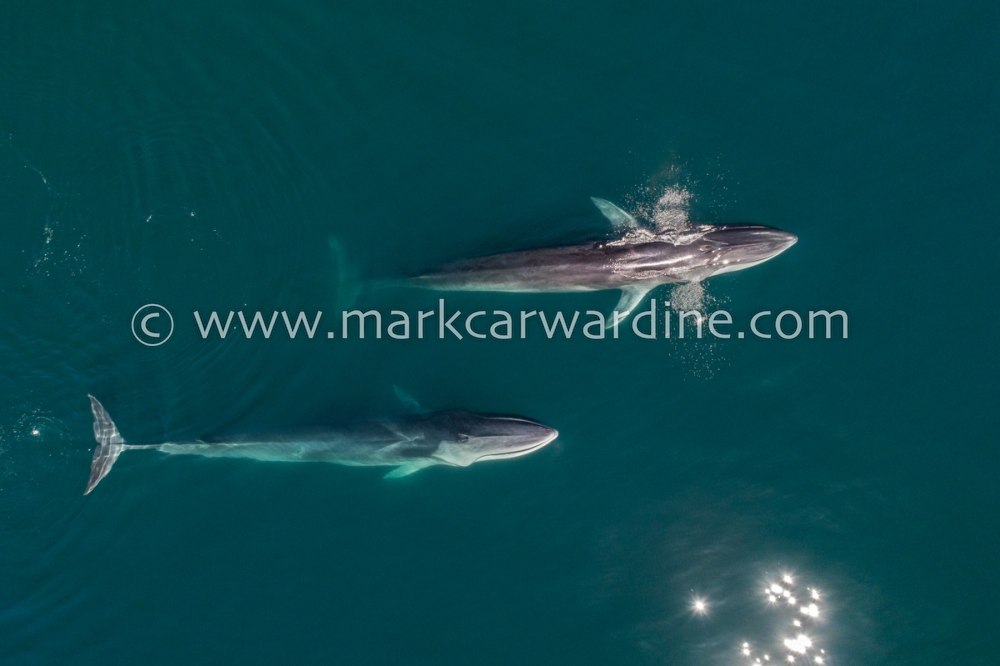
{"x": 635, "y": 259}
{"x": 408, "y": 444}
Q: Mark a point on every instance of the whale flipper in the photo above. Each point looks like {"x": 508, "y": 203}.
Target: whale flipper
{"x": 109, "y": 444}
{"x": 406, "y": 470}
{"x": 619, "y": 219}
{"x": 632, "y": 295}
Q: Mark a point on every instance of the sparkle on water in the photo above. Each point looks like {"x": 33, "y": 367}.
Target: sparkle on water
{"x": 793, "y": 638}
{"x": 699, "y": 606}
{"x": 800, "y": 644}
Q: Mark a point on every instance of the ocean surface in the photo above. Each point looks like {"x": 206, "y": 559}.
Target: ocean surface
{"x": 201, "y": 156}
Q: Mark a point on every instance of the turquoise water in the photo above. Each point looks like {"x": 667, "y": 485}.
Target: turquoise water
{"x": 200, "y": 156}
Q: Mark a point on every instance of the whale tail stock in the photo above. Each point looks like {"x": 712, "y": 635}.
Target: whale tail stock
{"x": 109, "y": 444}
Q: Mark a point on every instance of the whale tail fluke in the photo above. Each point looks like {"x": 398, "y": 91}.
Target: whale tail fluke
{"x": 109, "y": 445}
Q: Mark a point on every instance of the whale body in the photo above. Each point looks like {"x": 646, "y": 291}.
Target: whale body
{"x": 408, "y": 444}
{"x": 636, "y": 259}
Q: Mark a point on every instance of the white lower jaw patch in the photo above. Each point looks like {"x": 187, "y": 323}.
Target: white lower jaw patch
{"x": 459, "y": 455}
{"x": 730, "y": 268}
{"x": 517, "y": 454}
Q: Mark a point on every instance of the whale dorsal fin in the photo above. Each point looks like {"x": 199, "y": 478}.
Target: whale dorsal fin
{"x": 619, "y": 219}
{"x": 409, "y": 402}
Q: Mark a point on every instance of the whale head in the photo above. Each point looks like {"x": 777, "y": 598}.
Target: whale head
{"x": 466, "y": 437}
{"x": 733, "y": 247}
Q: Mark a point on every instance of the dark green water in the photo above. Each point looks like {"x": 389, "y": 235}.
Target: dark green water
{"x": 199, "y": 155}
